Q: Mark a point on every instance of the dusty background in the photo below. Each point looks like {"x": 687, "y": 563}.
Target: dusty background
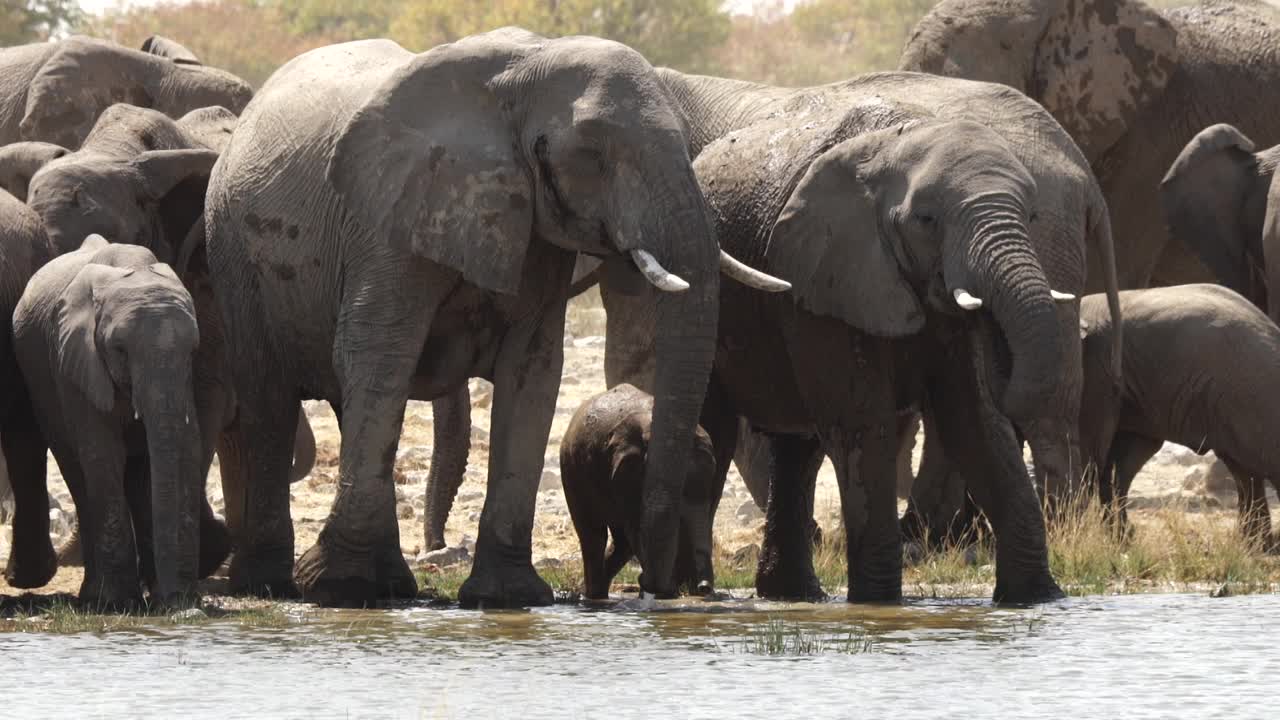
{"x": 1175, "y": 475}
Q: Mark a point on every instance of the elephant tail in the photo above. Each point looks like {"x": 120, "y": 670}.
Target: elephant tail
{"x": 1107, "y": 252}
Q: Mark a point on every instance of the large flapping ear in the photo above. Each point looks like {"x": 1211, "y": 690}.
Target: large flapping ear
{"x": 78, "y": 82}
{"x": 827, "y": 242}
{"x": 19, "y": 162}
{"x": 162, "y": 170}
{"x": 177, "y": 180}
{"x": 166, "y": 48}
{"x": 1100, "y": 63}
{"x": 1203, "y": 195}
{"x": 432, "y": 161}
{"x": 79, "y": 359}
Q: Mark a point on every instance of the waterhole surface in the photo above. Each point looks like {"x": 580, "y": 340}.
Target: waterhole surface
{"x": 1129, "y": 656}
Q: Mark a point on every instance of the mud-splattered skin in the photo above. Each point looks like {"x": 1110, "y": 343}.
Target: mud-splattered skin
{"x": 384, "y": 226}
{"x": 54, "y": 92}
{"x": 1131, "y": 85}
{"x": 602, "y": 463}
{"x": 1175, "y": 390}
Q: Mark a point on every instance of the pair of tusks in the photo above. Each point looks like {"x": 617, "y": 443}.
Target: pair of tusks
{"x": 969, "y": 302}
{"x": 730, "y": 266}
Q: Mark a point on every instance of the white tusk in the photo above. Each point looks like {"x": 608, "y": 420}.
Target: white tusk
{"x": 749, "y": 276}
{"x": 1061, "y": 296}
{"x": 965, "y": 300}
{"x": 656, "y": 274}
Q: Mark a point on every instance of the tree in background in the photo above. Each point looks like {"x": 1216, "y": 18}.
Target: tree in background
{"x": 24, "y": 21}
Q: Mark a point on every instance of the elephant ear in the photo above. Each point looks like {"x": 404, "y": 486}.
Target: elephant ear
{"x": 431, "y": 161}
{"x": 177, "y": 180}
{"x": 1203, "y": 195}
{"x": 78, "y": 356}
{"x": 827, "y": 242}
{"x": 19, "y": 162}
{"x": 78, "y": 82}
{"x": 1100, "y": 63}
{"x": 166, "y": 48}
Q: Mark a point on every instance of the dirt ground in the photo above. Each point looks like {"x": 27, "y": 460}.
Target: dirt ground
{"x": 1175, "y": 475}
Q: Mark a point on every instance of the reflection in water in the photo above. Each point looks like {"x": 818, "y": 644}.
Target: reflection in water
{"x": 1135, "y": 656}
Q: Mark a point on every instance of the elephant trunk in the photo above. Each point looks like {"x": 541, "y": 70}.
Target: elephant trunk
{"x": 163, "y": 400}
{"x": 1001, "y": 264}
{"x": 685, "y": 351}
{"x": 451, "y": 419}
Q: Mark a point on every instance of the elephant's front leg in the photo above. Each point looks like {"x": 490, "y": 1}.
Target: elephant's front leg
{"x": 865, "y": 460}
{"x": 526, "y": 383}
{"x": 981, "y": 441}
{"x": 937, "y": 514}
{"x": 111, "y": 556}
{"x": 357, "y": 559}
{"x": 785, "y": 569}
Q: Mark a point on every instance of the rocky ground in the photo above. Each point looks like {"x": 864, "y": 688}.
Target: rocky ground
{"x": 1175, "y": 475}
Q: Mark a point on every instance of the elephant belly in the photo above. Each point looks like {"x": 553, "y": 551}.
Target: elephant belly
{"x": 463, "y": 343}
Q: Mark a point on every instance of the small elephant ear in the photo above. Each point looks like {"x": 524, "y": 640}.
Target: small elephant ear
{"x": 19, "y": 162}
{"x": 1203, "y": 196}
{"x": 827, "y": 242}
{"x": 162, "y": 170}
{"x": 1100, "y": 63}
{"x": 78, "y": 356}
{"x": 80, "y": 80}
{"x": 166, "y": 48}
{"x": 431, "y": 161}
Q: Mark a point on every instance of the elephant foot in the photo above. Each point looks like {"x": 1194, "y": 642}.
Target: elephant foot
{"x": 31, "y": 564}
{"x": 780, "y": 579}
{"x": 332, "y": 576}
{"x": 71, "y": 553}
{"x": 507, "y": 581}
{"x": 112, "y": 592}
{"x": 1036, "y": 589}
{"x": 215, "y": 546}
{"x": 262, "y": 574}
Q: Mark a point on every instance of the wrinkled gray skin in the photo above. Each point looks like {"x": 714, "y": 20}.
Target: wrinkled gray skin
{"x": 770, "y": 139}
{"x": 54, "y": 92}
{"x": 1221, "y": 200}
{"x": 140, "y": 178}
{"x": 171, "y": 49}
{"x": 357, "y": 270}
{"x": 1070, "y": 225}
{"x": 602, "y": 462}
{"x": 1130, "y": 84}
{"x": 105, "y": 337}
{"x": 1176, "y": 391}
{"x": 23, "y": 249}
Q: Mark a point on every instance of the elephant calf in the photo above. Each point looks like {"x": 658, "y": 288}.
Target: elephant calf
{"x": 105, "y": 337}
{"x": 1201, "y": 369}
{"x": 602, "y": 458}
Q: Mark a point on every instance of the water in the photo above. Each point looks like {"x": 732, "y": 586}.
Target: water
{"x": 1130, "y": 656}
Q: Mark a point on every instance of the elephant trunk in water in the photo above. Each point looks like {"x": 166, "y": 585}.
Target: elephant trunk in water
{"x": 999, "y": 261}
{"x": 163, "y": 400}
{"x": 685, "y": 350}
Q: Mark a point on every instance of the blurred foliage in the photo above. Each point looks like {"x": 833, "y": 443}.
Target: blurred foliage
{"x": 817, "y": 41}
{"x": 23, "y": 21}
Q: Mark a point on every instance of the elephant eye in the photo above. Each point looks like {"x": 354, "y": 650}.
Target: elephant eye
{"x": 924, "y": 218}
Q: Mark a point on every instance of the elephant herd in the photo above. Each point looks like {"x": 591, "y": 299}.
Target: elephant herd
{"x": 788, "y": 273}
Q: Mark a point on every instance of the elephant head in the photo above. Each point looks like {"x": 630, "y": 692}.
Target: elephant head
{"x": 131, "y": 333}
{"x": 1094, "y": 64}
{"x": 473, "y": 150}
{"x": 140, "y": 178}
{"x": 1215, "y": 202}
{"x": 893, "y": 224}
{"x": 20, "y": 161}
{"x": 84, "y": 76}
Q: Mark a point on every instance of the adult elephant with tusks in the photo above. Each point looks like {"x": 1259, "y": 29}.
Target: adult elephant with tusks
{"x": 384, "y": 225}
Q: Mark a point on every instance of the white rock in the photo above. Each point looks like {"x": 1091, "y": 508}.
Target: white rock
{"x": 468, "y": 542}
{"x": 550, "y": 481}
{"x": 413, "y": 457}
{"x": 748, "y": 512}
{"x": 470, "y": 496}
{"x": 188, "y": 615}
{"x": 589, "y": 341}
{"x": 60, "y": 524}
{"x": 445, "y": 557}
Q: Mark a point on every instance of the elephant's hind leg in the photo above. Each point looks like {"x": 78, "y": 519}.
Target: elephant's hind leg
{"x": 1255, "y": 516}
{"x": 32, "y": 562}
{"x": 1129, "y": 453}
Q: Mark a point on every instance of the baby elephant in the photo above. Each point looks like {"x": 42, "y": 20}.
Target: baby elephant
{"x": 602, "y": 460}
{"x": 105, "y": 337}
{"x": 1201, "y": 369}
